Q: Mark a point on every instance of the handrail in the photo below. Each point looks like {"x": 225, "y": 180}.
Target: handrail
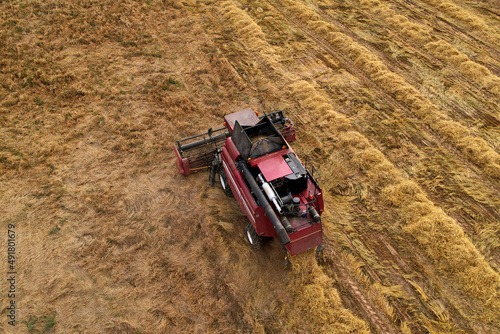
{"x": 312, "y": 170}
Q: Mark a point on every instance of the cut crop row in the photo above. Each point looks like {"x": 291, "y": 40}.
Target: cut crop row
{"x": 448, "y": 248}
{"x": 472, "y": 147}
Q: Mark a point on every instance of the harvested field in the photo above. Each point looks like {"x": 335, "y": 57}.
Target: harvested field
{"x": 396, "y": 102}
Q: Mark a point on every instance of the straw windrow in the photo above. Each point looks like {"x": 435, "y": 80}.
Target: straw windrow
{"x": 451, "y": 131}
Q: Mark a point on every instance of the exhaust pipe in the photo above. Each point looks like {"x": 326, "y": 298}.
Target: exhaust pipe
{"x": 286, "y": 224}
{"x": 284, "y": 238}
{"x": 271, "y": 193}
{"x": 314, "y": 214}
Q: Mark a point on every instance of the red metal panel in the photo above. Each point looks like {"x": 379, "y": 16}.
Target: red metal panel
{"x": 182, "y": 164}
{"x": 249, "y": 207}
{"x": 263, "y": 225}
{"x": 244, "y": 188}
{"x": 321, "y": 205}
{"x": 245, "y": 208}
{"x": 305, "y": 239}
{"x": 255, "y": 162}
{"x": 274, "y": 167}
{"x": 231, "y": 148}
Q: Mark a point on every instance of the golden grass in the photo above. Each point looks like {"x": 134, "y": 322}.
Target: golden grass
{"x": 412, "y": 30}
{"x": 468, "y": 20}
{"x": 86, "y": 148}
{"x": 478, "y": 73}
{"x": 316, "y": 300}
{"x": 437, "y": 235}
{"x": 241, "y": 21}
{"x": 421, "y": 35}
{"x": 451, "y": 131}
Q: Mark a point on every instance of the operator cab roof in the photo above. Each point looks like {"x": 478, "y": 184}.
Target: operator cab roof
{"x": 246, "y": 117}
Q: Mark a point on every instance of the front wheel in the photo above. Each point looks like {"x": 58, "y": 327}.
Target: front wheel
{"x": 253, "y": 238}
{"x": 224, "y": 183}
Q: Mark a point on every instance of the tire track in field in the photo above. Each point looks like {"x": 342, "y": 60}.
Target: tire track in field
{"x": 449, "y": 54}
{"x": 391, "y": 62}
{"x": 361, "y": 305}
{"x": 374, "y": 74}
{"x": 495, "y": 13}
{"x": 415, "y": 302}
{"x": 410, "y": 74}
{"x": 305, "y": 93}
{"x": 472, "y": 113}
{"x": 451, "y": 32}
{"x": 421, "y": 296}
{"x": 403, "y": 310}
{"x": 444, "y": 26}
{"x": 467, "y": 19}
{"x": 422, "y": 35}
{"x": 437, "y": 175}
{"x": 451, "y": 195}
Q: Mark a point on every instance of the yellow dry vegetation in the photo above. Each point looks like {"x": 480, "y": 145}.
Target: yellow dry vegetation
{"x": 437, "y": 234}
{"x": 456, "y": 134}
{"x": 112, "y": 239}
{"x": 438, "y": 48}
{"x": 470, "y": 21}
{"x": 460, "y": 251}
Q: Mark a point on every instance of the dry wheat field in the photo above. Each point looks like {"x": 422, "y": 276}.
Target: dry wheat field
{"x": 395, "y": 101}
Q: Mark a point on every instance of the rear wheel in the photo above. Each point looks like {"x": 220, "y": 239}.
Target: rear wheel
{"x": 224, "y": 183}
{"x": 253, "y": 238}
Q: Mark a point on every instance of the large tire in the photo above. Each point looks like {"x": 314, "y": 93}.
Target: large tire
{"x": 224, "y": 183}
{"x": 254, "y": 240}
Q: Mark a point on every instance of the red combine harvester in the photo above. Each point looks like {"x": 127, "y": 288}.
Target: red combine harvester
{"x": 280, "y": 196}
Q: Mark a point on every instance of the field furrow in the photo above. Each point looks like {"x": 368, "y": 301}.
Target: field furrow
{"x": 459, "y": 102}
{"x": 473, "y": 148}
{"x": 304, "y": 92}
{"x": 394, "y": 101}
{"x": 468, "y": 20}
{"x": 407, "y": 145}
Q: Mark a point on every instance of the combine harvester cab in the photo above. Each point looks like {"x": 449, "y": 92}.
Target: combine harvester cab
{"x": 280, "y": 196}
